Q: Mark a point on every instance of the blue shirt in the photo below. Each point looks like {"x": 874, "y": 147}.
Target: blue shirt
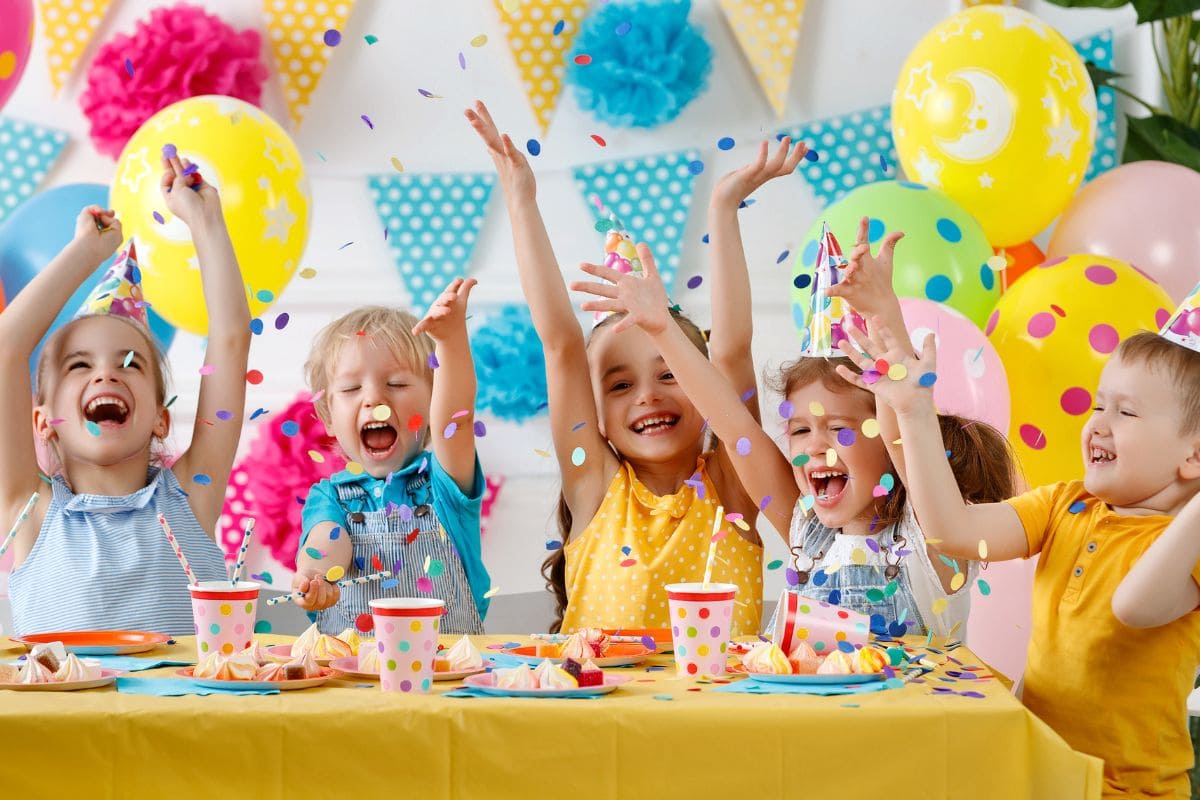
{"x": 457, "y": 512}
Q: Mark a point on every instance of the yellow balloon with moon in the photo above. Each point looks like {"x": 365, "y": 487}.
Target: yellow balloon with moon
{"x": 995, "y": 108}
{"x": 258, "y": 173}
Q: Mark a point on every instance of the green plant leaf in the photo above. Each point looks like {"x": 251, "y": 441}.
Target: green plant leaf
{"x": 1090, "y": 3}
{"x": 1101, "y": 76}
{"x": 1154, "y": 10}
{"x": 1161, "y": 138}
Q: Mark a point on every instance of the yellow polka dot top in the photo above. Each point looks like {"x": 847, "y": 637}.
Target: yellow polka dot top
{"x": 638, "y": 542}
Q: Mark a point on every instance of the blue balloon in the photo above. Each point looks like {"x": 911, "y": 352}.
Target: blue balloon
{"x": 34, "y": 234}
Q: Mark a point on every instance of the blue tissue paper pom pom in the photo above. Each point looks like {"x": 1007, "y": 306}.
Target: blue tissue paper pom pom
{"x": 509, "y": 365}
{"x": 647, "y": 62}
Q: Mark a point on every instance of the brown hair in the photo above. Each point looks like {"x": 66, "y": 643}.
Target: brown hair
{"x": 391, "y": 326}
{"x": 554, "y": 568}
{"x": 51, "y": 354}
{"x": 980, "y": 456}
{"x": 1180, "y": 364}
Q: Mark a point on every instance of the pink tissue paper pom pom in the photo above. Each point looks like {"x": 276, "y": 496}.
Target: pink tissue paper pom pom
{"x": 180, "y": 52}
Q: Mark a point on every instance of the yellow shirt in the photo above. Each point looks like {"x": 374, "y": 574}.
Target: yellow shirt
{"x": 1111, "y": 691}
{"x": 668, "y": 539}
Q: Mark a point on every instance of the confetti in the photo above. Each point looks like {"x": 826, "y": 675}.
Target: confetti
{"x": 983, "y": 551}
{"x": 335, "y": 533}
{"x": 170, "y": 402}
{"x": 224, "y": 416}
{"x": 743, "y": 446}
{"x": 480, "y": 429}
{"x": 1076, "y": 507}
{"x": 367, "y": 120}
{"x": 694, "y": 281}
{"x": 316, "y": 457}
{"x": 957, "y": 581}
{"x": 623, "y": 28}
{"x": 290, "y": 428}
{"x": 695, "y": 167}
{"x": 553, "y": 544}
{"x": 256, "y": 326}
{"x": 558, "y": 26}
{"x": 583, "y": 59}
{"x": 578, "y": 456}
{"x": 766, "y": 501}
{"x": 492, "y": 592}
{"x": 450, "y": 430}
{"x": 831, "y": 457}
{"x": 939, "y": 605}
{"x": 534, "y": 147}
{"x": 783, "y": 256}
{"x": 201, "y": 479}
{"x": 898, "y": 372}
{"x": 997, "y": 263}
{"x": 396, "y": 165}
{"x": 598, "y": 139}
{"x": 262, "y": 625}
{"x": 984, "y": 588}
{"x": 254, "y": 377}
{"x": 424, "y": 585}
{"x": 333, "y": 37}
{"x": 479, "y": 41}
{"x": 93, "y": 428}
{"x": 158, "y": 218}
{"x": 434, "y": 568}
{"x": 845, "y": 437}
{"x": 364, "y": 623}
{"x": 928, "y": 379}
{"x": 282, "y": 320}
{"x": 335, "y": 573}
{"x": 354, "y": 468}
{"x": 888, "y": 481}
{"x": 870, "y": 428}
{"x": 128, "y": 359}
{"x": 429, "y": 94}
{"x": 129, "y": 67}
{"x": 816, "y": 409}
{"x": 776, "y": 564}
{"x": 542, "y": 453}
{"x": 629, "y": 562}
{"x": 725, "y": 143}
{"x": 812, "y": 155}
{"x": 577, "y": 426}
{"x": 462, "y": 60}
{"x": 415, "y": 422}
{"x": 785, "y": 409}
{"x": 370, "y": 39}
{"x": 264, "y": 295}
{"x": 801, "y": 460}
{"x": 313, "y": 553}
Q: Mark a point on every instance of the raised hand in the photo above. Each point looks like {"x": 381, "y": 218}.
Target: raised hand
{"x": 643, "y": 299}
{"x": 511, "y": 165}
{"x": 890, "y": 369}
{"x": 186, "y": 194}
{"x": 736, "y": 186}
{"x": 867, "y": 286}
{"x": 97, "y": 234}
{"x": 448, "y": 314}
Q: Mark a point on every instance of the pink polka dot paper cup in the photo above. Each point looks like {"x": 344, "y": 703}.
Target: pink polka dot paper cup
{"x": 406, "y": 632}
{"x": 701, "y": 621}
{"x": 224, "y": 615}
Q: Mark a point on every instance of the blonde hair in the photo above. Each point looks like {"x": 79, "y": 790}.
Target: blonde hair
{"x": 390, "y": 327}
{"x": 51, "y": 354}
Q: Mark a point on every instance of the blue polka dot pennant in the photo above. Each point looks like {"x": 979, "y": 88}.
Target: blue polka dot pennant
{"x": 432, "y": 223}
{"x": 1099, "y": 50}
{"x": 27, "y": 152}
{"x": 846, "y": 152}
{"x": 650, "y": 195}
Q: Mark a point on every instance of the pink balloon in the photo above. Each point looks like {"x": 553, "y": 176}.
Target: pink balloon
{"x": 1145, "y": 213}
{"x": 970, "y": 378}
{"x": 16, "y": 40}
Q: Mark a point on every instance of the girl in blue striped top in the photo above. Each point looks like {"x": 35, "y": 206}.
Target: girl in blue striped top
{"x": 91, "y": 556}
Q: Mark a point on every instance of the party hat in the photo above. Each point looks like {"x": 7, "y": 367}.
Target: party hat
{"x": 119, "y": 292}
{"x": 619, "y": 253}
{"x": 828, "y": 316}
{"x": 1184, "y": 325}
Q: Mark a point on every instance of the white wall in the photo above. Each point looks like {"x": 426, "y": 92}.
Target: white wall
{"x": 849, "y": 54}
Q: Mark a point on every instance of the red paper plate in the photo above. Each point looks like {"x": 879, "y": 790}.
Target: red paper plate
{"x": 98, "y": 643}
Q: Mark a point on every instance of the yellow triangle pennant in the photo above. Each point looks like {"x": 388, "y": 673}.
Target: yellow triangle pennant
{"x": 767, "y": 33}
{"x": 69, "y": 27}
{"x": 539, "y": 51}
{"x": 296, "y": 30}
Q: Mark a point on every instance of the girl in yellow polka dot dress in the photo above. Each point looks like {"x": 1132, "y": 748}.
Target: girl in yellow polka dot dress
{"x": 640, "y": 492}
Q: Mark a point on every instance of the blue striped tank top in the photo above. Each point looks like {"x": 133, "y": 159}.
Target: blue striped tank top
{"x": 103, "y": 563}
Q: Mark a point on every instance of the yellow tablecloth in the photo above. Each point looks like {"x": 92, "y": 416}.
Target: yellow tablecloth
{"x": 347, "y": 741}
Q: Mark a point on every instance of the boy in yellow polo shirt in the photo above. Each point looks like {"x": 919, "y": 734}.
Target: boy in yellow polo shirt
{"x": 1115, "y": 642}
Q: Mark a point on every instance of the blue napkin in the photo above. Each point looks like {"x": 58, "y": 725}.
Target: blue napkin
{"x": 470, "y": 691}
{"x": 177, "y": 687}
{"x": 748, "y": 686}
{"x": 135, "y": 664}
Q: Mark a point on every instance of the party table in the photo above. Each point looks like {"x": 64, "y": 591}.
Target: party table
{"x": 657, "y": 736}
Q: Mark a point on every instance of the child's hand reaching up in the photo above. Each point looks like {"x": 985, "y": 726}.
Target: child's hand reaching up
{"x": 187, "y": 196}
{"x": 736, "y": 186}
{"x": 319, "y": 594}
{"x": 867, "y": 286}
{"x": 643, "y": 299}
{"x": 448, "y": 314}
{"x": 891, "y": 371}
{"x": 515, "y": 175}
{"x": 97, "y": 234}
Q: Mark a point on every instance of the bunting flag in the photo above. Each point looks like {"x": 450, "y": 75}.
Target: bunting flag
{"x": 431, "y": 223}
{"x": 847, "y": 152}
{"x": 767, "y": 34}
{"x": 69, "y": 27}
{"x": 540, "y": 33}
{"x": 651, "y": 196}
{"x": 1098, "y": 49}
{"x": 27, "y": 152}
{"x": 297, "y": 30}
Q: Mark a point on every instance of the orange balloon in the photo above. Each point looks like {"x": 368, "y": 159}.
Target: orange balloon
{"x": 1019, "y": 259}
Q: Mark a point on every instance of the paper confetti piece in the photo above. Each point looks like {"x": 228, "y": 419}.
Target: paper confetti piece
{"x": 313, "y": 553}
{"x": 629, "y": 562}
{"x": 335, "y": 573}
{"x": 415, "y": 422}
{"x": 801, "y": 460}
{"x": 434, "y": 568}
{"x": 984, "y": 587}
{"x": 939, "y": 605}
{"x": 316, "y": 457}
{"x": 479, "y": 428}
{"x": 816, "y": 409}
{"x": 332, "y": 37}
{"x": 598, "y": 139}
{"x": 424, "y": 585}
{"x": 208, "y": 369}
{"x": 201, "y": 479}
{"x": 542, "y": 453}
{"x": 983, "y": 550}
{"x": 776, "y": 564}
{"x": 128, "y": 359}
{"x": 354, "y": 468}
{"x": 93, "y": 428}
{"x": 927, "y": 379}
{"x": 578, "y": 456}
{"x": 957, "y": 581}
{"x": 553, "y": 544}
{"x": 831, "y": 457}
{"x": 743, "y": 446}
{"x": 898, "y": 372}
{"x": 870, "y": 428}
{"x": 450, "y": 430}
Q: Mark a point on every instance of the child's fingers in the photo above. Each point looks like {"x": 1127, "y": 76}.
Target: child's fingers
{"x": 851, "y": 376}
{"x": 600, "y": 271}
{"x": 929, "y": 350}
{"x": 592, "y": 287}
{"x": 465, "y": 287}
{"x": 794, "y": 157}
{"x": 861, "y": 239}
{"x": 779, "y": 156}
{"x": 649, "y": 268}
{"x": 889, "y": 244}
{"x": 867, "y": 351}
{"x": 603, "y": 305}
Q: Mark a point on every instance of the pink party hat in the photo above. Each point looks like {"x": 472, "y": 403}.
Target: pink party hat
{"x": 619, "y": 253}
{"x": 119, "y": 292}
{"x": 825, "y": 326}
{"x": 1183, "y": 327}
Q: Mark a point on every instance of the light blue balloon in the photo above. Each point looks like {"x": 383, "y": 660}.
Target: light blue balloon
{"x": 35, "y": 232}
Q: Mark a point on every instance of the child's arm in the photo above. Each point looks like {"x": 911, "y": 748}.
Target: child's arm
{"x": 932, "y": 488}
{"x": 22, "y": 325}
{"x": 764, "y": 471}
{"x": 223, "y": 381}
{"x": 573, "y": 417}
{"x": 453, "y": 384}
{"x": 319, "y": 593}
{"x": 1161, "y": 586}
{"x": 732, "y": 325}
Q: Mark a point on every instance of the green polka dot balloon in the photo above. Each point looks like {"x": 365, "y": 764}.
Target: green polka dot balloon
{"x": 943, "y": 256}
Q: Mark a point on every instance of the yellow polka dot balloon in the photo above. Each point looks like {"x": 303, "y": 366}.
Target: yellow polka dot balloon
{"x": 264, "y": 193}
{"x": 995, "y": 107}
{"x": 1054, "y": 330}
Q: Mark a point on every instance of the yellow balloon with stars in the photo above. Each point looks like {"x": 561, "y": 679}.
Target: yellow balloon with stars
{"x": 995, "y": 108}
{"x": 256, "y": 169}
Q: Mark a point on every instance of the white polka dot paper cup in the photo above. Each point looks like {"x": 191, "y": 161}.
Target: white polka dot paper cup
{"x": 406, "y": 632}
{"x": 224, "y": 615}
{"x": 701, "y": 621}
